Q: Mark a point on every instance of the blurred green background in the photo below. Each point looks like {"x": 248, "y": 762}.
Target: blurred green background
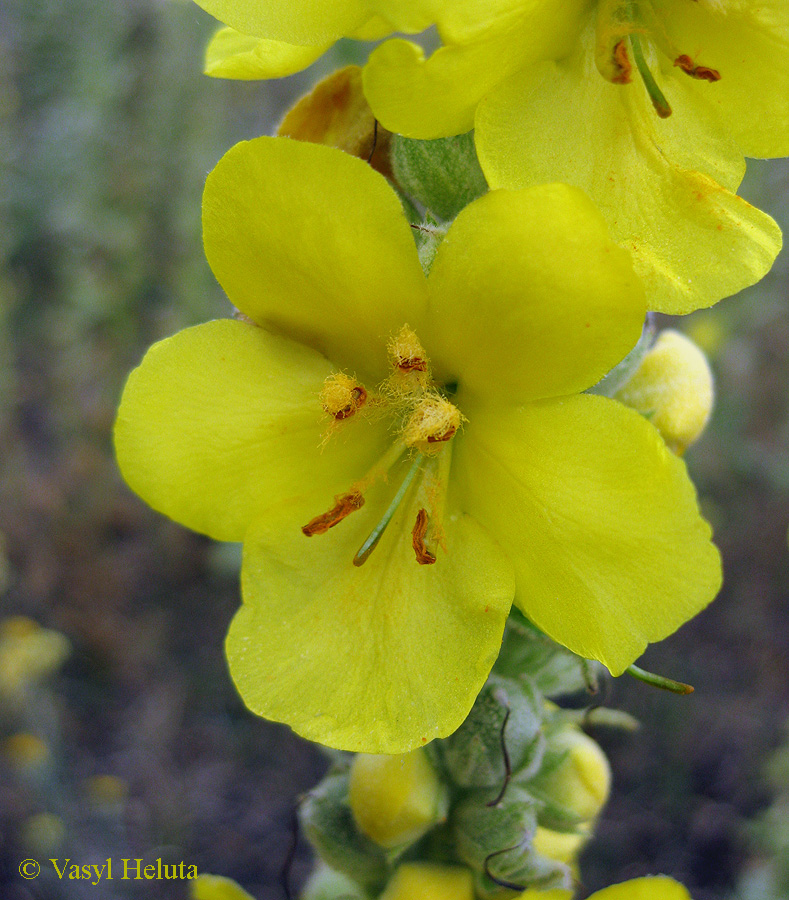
{"x": 137, "y": 745}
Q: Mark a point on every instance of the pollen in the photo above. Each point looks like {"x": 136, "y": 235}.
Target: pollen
{"x": 409, "y": 361}
{"x": 342, "y": 396}
{"x": 433, "y": 421}
{"x": 703, "y": 73}
{"x": 344, "y": 505}
{"x": 621, "y": 64}
{"x": 423, "y": 556}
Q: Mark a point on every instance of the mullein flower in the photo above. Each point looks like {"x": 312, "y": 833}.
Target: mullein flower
{"x": 647, "y": 105}
{"x": 404, "y": 455}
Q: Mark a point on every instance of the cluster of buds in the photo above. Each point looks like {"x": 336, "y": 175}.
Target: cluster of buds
{"x": 504, "y": 804}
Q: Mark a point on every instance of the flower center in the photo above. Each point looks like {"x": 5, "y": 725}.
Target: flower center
{"x": 425, "y": 421}
{"x": 622, "y": 28}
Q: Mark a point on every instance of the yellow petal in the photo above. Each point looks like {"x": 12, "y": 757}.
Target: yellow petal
{"x": 598, "y": 517}
{"x": 313, "y": 243}
{"x": 530, "y": 297}
{"x": 223, "y": 420}
{"x": 381, "y": 658}
{"x": 305, "y": 22}
{"x": 231, "y": 54}
{"x": 748, "y": 43}
{"x": 665, "y": 186}
{"x": 437, "y": 97}
{"x": 653, "y": 887}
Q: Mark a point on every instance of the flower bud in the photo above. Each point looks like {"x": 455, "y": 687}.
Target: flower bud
{"x": 336, "y": 113}
{"x": 426, "y": 881}
{"x": 507, "y": 714}
{"x": 395, "y": 799}
{"x": 496, "y": 842}
{"x": 672, "y": 387}
{"x": 329, "y": 825}
{"x": 580, "y": 783}
{"x": 561, "y": 846}
{"x": 217, "y": 887}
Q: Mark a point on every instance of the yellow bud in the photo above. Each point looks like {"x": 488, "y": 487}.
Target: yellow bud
{"x": 561, "y": 846}
{"x": 426, "y": 881}
{"x": 583, "y": 779}
{"x": 673, "y": 387}
{"x": 394, "y": 799}
{"x": 217, "y": 887}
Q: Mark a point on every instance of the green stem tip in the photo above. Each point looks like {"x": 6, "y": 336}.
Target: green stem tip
{"x": 659, "y": 681}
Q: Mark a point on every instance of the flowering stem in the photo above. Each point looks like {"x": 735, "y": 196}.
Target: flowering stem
{"x": 375, "y": 535}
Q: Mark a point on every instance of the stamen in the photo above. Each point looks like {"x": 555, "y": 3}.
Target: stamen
{"x": 620, "y": 62}
{"x": 370, "y": 544}
{"x": 409, "y": 361}
{"x": 423, "y": 556}
{"x": 344, "y": 505}
{"x": 342, "y": 396}
{"x": 703, "y": 73}
{"x": 434, "y": 421}
{"x": 660, "y": 103}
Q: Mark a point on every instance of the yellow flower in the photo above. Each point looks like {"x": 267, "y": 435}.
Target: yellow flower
{"x": 573, "y": 91}
{"x": 401, "y": 455}
{"x": 652, "y": 887}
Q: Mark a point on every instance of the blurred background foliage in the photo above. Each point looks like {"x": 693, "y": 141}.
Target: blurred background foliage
{"x": 126, "y": 739}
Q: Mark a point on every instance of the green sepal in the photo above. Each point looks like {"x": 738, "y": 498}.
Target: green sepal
{"x": 497, "y": 841}
{"x": 506, "y": 714}
{"x": 443, "y": 175}
{"x": 328, "y": 824}
{"x": 326, "y": 884}
{"x": 553, "y": 669}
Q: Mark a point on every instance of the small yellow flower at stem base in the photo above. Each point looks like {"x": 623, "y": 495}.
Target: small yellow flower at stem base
{"x": 562, "y": 846}
{"x": 582, "y": 780}
{"x": 652, "y": 887}
{"x": 217, "y": 887}
{"x": 424, "y": 881}
{"x": 394, "y": 799}
{"x": 673, "y": 388}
